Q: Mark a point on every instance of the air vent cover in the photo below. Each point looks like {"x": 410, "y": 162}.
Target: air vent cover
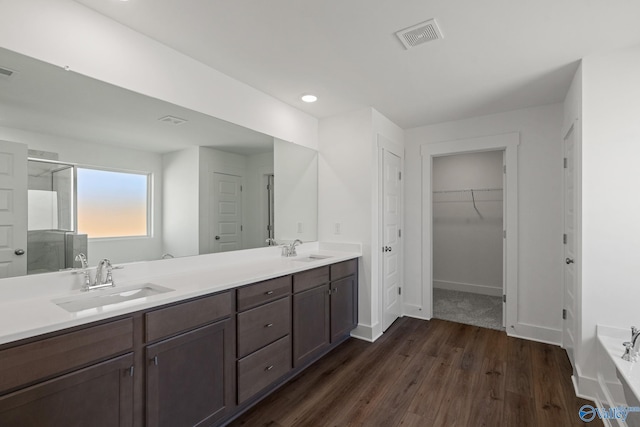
{"x": 420, "y": 33}
{"x": 5, "y": 72}
{"x": 172, "y": 120}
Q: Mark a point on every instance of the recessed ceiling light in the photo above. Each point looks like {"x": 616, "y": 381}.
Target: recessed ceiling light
{"x": 309, "y": 98}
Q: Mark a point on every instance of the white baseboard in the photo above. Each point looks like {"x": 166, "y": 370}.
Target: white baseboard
{"x": 536, "y": 333}
{"x": 366, "y": 332}
{"x": 587, "y": 387}
{"x": 494, "y": 291}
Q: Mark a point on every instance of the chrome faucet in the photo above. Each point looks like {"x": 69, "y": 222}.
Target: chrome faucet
{"x": 104, "y": 276}
{"x": 290, "y": 250}
{"x": 632, "y": 348}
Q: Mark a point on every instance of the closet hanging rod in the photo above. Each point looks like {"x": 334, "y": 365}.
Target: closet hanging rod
{"x": 466, "y": 191}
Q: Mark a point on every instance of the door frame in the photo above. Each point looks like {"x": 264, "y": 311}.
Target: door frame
{"x": 385, "y": 144}
{"x": 509, "y": 143}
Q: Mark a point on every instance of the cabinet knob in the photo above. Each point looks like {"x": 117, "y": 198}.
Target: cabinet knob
{"x": 269, "y": 293}
{"x": 268, "y": 368}
{"x": 568, "y": 260}
{"x": 268, "y": 325}
{"x": 19, "y": 252}
{"x": 217, "y": 237}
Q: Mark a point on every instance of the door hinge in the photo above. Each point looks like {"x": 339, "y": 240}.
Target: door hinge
{"x": 565, "y": 163}
{"x": 564, "y": 313}
{"x": 399, "y": 290}
{"x": 240, "y": 228}
{"x": 504, "y": 169}
{"x": 504, "y": 297}
{"x": 504, "y": 234}
{"x": 564, "y": 238}
{"x": 399, "y": 233}
{"x": 399, "y": 176}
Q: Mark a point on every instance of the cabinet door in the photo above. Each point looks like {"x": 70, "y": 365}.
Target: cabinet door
{"x": 190, "y": 377}
{"x": 99, "y": 395}
{"x": 310, "y": 323}
{"x": 344, "y": 307}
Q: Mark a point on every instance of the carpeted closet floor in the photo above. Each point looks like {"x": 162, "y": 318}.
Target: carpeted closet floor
{"x": 464, "y": 307}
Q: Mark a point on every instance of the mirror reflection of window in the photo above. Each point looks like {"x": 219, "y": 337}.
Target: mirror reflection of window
{"x": 113, "y": 204}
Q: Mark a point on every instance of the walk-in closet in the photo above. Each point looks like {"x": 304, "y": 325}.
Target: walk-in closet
{"x": 468, "y": 253}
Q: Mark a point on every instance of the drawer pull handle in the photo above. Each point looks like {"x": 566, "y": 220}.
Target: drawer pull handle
{"x": 268, "y": 368}
{"x": 268, "y": 325}
{"x": 269, "y": 293}
{"x": 155, "y": 360}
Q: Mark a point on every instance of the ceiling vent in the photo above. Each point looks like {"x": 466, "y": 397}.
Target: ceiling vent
{"x": 172, "y": 120}
{"x": 420, "y": 33}
{"x": 6, "y": 73}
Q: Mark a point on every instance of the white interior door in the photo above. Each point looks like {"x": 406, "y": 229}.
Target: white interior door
{"x": 226, "y": 213}
{"x": 13, "y": 209}
{"x": 568, "y": 336}
{"x": 391, "y": 251}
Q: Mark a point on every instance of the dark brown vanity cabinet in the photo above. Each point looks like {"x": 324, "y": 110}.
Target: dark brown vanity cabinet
{"x": 199, "y": 362}
{"x": 84, "y": 377}
{"x": 264, "y": 341}
{"x": 190, "y": 376}
{"x": 324, "y": 309}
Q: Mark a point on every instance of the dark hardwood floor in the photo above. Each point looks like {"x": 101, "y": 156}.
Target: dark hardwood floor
{"x": 429, "y": 373}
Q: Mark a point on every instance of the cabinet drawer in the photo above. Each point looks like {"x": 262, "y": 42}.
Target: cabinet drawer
{"x": 310, "y": 279}
{"x": 188, "y": 315}
{"x": 344, "y": 269}
{"x": 31, "y": 362}
{"x": 270, "y": 290}
{"x": 263, "y": 367}
{"x": 262, "y": 325}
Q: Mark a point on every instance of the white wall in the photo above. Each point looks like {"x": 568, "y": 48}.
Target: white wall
{"x": 90, "y": 154}
{"x": 345, "y": 195}
{"x": 539, "y": 205}
{"x": 181, "y": 202}
{"x": 296, "y": 193}
{"x": 66, "y": 33}
{"x": 610, "y": 206}
{"x": 467, "y": 244}
{"x": 348, "y": 198}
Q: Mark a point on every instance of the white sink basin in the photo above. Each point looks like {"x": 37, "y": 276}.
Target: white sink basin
{"x": 109, "y": 298}
{"x": 312, "y": 258}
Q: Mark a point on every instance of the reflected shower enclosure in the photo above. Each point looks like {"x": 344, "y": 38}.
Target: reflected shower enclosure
{"x": 51, "y": 240}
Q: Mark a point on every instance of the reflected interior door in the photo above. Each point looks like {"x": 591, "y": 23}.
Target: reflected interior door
{"x": 392, "y": 205}
{"x": 13, "y": 209}
{"x": 568, "y": 335}
{"x": 226, "y": 213}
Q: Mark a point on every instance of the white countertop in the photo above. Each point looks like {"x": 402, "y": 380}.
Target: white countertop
{"x": 27, "y": 309}
{"x": 611, "y": 339}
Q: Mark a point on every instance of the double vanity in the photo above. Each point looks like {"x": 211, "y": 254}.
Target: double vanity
{"x": 196, "y": 344}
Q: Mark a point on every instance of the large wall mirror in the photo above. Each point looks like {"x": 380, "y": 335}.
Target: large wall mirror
{"x": 127, "y": 177}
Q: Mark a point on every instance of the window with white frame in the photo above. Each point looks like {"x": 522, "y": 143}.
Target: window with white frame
{"x": 112, "y": 204}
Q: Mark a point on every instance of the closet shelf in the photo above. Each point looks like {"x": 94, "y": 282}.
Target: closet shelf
{"x": 466, "y": 191}
{"x": 471, "y": 195}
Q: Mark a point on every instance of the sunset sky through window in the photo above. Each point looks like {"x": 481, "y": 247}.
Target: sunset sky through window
{"x": 112, "y": 204}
